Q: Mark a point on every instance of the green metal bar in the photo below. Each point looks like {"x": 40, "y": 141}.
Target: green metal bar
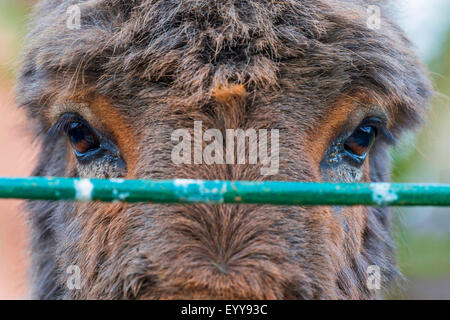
{"x": 216, "y": 192}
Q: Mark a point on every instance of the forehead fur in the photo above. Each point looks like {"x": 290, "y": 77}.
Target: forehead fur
{"x": 185, "y": 49}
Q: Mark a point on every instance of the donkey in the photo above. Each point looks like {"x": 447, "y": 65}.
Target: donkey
{"x": 105, "y": 83}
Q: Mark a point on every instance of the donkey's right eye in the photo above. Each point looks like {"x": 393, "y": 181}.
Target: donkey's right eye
{"x": 93, "y": 148}
{"x": 83, "y": 140}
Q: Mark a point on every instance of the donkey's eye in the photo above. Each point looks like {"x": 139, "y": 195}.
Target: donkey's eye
{"x": 91, "y": 147}
{"x": 360, "y": 142}
{"x": 82, "y": 138}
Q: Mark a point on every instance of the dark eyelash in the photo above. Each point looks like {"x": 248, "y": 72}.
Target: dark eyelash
{"x": 63, "y": 122}
{"x": 387, "y": 135}
{"x": 382, "y": 131}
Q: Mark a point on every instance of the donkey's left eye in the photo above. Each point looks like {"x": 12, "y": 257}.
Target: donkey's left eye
{"x": 360, "y": 142}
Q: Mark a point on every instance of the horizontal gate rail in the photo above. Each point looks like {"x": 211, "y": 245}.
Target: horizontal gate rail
{"x": 216, "y": 192}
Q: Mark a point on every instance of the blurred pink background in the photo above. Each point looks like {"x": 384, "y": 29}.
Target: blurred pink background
{"x": 15, "y": 160}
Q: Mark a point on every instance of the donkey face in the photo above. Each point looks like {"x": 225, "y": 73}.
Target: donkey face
{"x": 108, "y": 94}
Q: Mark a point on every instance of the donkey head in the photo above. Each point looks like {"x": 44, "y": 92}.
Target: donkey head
{"x": 108, "y": 82}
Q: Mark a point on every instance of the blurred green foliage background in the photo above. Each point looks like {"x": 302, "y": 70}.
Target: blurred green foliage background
{"x": 422, "y": 234}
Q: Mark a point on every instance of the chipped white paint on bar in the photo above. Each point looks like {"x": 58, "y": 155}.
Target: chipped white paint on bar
{"x": 206, "y": 191}
{"x": 124, "y": 195}
{"x": 184, "y": 182}
{"x": 83, "y": 190}
{"x": 120, "y": 196}
{"x": 382, "y": 193}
